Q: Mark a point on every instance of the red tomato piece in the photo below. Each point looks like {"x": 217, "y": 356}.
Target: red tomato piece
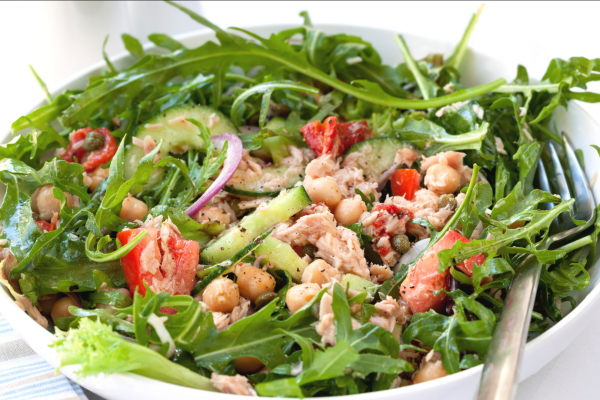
{"x": 95, "y": 158}
{"x": 45, "y": 226}
{"x": 168, "y": 310}
{"x": 423, "y": 279}
{"x": 333, "y": 137}
{"x": 406, "y": 182}
{"x": 144, "y": 263}
{"x": 467, "y": 266}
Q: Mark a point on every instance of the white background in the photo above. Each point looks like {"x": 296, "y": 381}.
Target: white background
{"x": 61, "y": 38}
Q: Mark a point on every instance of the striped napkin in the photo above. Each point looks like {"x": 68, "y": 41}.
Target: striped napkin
{"x": 25, "y": 375}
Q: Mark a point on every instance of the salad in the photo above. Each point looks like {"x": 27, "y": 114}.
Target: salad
{"x": 286, "y": 216}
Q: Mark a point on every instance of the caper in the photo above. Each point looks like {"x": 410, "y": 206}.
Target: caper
{"x": 264, "y": 299}
{"x": 309, "y": 250}
{"x": 447, "y": 200}
{"x": 401, "y": 244}
{"x": 94, "y": 140}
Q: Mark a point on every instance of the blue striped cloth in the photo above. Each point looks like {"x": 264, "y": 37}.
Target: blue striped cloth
{"x": 25, "y": 375}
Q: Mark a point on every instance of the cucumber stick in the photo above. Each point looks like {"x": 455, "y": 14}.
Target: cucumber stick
{"x": 379, "y": 153}
{"x": 281, "y": 256}
{"x": 242, "y": 186}
{"x": 359, "y": 284}
{"x": 177, "y": 134}
{"x": 280, "y": 209}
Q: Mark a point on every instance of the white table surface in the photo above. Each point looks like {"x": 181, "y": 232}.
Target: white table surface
{"x": 61, "y": 38}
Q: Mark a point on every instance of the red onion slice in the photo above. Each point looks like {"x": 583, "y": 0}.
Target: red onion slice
{"x": 385, "y": 176}
{"x": 75, "y": 299}
{"x": 232, "y": 161}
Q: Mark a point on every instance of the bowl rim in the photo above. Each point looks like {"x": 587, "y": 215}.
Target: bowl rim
{"x": 205, "y": 35}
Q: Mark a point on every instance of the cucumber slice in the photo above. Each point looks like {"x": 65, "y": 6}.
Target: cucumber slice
{"x": 379, "y": 153}
{"x": 242, "y": 186}
{"x": 177, "y": 135}
{"x": 282, "y": 256}
{"x": 359, "y": 284}
{"x": 280, "y": 209}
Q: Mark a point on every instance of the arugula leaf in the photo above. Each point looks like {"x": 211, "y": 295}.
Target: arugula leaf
{"x": 427, "y": 87}
{"x": 492, "y": 266}
{"x": 459, "y": 52}
{"x": 42, "y": 85}
{"x": 133, "y": 46}
{"x": 502, "y": 237}
{"x": 527, "y": 158}
{"x": 266, "y": 89}
{"x": 369, "y": 363}
{"x": 474, "y": 211}
{"x": 45, "y": 114}
{"x": 433, "y": 139}
{"x": 109, "y": 64}
{"x": 255, "y": 336}
{"x": 329, "y": 364}
{"x": 453, "y": 335}
{"x": 165, "y": 41}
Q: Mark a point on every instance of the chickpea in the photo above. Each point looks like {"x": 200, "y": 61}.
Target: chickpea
{"x": 46, "y": 204}
{"x": 254, "y": 281}
{"x": 349, "y": 210}
{"x": 221, "y": 295}
{"x": 517, "y": 224}
{"x": 133, "y": 209}
{"x": 248, "y": 365}
{"x": 46, "y": 302}
{"x": 430, "y": 371}
{"x": 442, "y": 179}
{"x": 324, "y": 190}
{"x": 208, "y": 214}
{"x": 300, "y": 295}
{"x": 320, "y": 272}
{"x": 94, "y": 178}
{"x": 60, "y": 309}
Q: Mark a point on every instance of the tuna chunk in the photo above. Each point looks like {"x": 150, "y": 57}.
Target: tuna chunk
{"x": 307, "y": 229}
{"x": 338, "y": 246}
{"x": 236, "y": 384}
{"x": 343, "y": 252}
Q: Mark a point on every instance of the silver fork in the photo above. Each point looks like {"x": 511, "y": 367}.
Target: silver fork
{"x": 500, "y": 371}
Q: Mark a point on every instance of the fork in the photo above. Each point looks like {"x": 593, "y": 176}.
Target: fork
{"x": 500, "y": 371}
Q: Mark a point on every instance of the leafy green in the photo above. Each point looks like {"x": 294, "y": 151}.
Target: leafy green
{"x": 500, "y": 237}
{"x": 433, "y": 139}
{"x": 133, "y": 46}
{"x": 98, "y": 349}
{"x": 453, "y": 335}
{"x": 459, "y": 52}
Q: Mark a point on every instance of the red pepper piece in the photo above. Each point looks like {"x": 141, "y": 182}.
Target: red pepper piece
{"x": 144, "y": 262}
{"x": 406, "y": 182}
{"x": 45, "y": 226}
{"x": 333, "y": 137}
{"x": 95, "y": 158}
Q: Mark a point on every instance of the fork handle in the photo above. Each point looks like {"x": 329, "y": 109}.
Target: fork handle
{"x": 500, "y": 371}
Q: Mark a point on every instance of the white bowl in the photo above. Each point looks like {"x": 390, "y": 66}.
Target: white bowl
{"x": 477, "y": 69}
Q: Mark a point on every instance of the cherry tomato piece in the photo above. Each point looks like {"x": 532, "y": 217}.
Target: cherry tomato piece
{"x": 95, "y": 158}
